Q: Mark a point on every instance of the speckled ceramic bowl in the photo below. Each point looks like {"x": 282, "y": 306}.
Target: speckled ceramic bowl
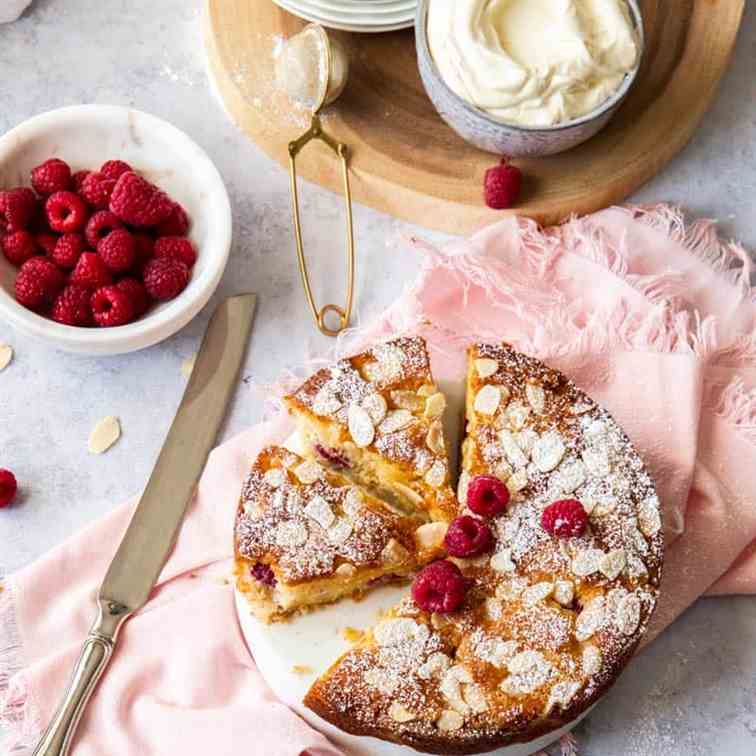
{"x": 481, "y": 130}
{"x": 85, "y": 136}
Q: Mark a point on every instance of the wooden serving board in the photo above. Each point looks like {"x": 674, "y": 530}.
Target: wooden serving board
{"x": 408, "y": 163}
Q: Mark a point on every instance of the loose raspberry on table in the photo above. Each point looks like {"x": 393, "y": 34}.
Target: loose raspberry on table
{"x": 440, "y": 587}
{"x": 72, "y": 307}
{"x": 114, "y": 169}
{"x": 263, "y": 574}
{"x": 118, "y": 250}
{"x": 17, "y": 208}
{"x": 565, "y": 518}
{"x": 100, "y": 225}
{"x": 78, "y": 179}
{"x": 138, "y": 202}
{"x": 66, "y": 212}
{"x": 96, "y": 189}
{"x": 8, "y": 487}
{"x": 176, "y": 224}
{"x": 18, "y": 247}
{"x": 502, "y": 185}
{"x": 46, "y": 242}
{"x": 38, "y": 283}
{"x": 136, "y": 292}
{"x": 176, "y": 248}
{"x": 165, "y": 279}
{"x": 91, "y": 271}
{"x": 52, "y": 176}
{"x": 487, "y": 496}
{"x": 468, "y": 537}
{"x": 111, "y": 307}
{"x": 68, "y": 250}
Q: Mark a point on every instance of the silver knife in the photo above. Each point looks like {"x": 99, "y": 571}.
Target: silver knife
{"x": 156, "y": 522}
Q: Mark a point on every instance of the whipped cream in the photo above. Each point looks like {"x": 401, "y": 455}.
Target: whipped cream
{"x": 533, "y": 62}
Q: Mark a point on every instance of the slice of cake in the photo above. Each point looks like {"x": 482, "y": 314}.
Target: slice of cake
{"x": 553, "y": 575}
{"x": 376, "y": 417}
{"x": 306, "y": 536}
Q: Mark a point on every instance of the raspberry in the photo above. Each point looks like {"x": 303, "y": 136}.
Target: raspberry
{"x": 91, "y": 271}
{"x": 440, "y": 587}
{"x": 176, "y": 224}
{"x": 18, "y": 247}
{"x": 502, "y": 185}
{"x": 46, "y": 242}
{"x": 52, "y": 176}
{"x": 334, "y": 457}
{"x": 263, "y": 574}
{"x": 8, "y": 487}
{"x": 17, "y": 208}
{"x": 565, "y": 518}
{"x": 111, "y": 307}
{"x": 78, "y": 179}
{"x": 96, "y": 190}
{"x": 165, "y": 279}
{"x": 72, "y": 307}
{"x": 113, "y": 169}
{"x": 176, "y": 248}
{"x": 145, "y": 248}
{"x": 138, "y": 202}
{"x": 99, "y": 226}
{"x": 68, "y": 250}
{"x": 468, "y": 537}
{"x": 118, "y": 250}
{"x": 38, "y": 283}
{"x": 487, "y": 496}
{"x": 66, "y": 212}
{"x": 140, "y": 300}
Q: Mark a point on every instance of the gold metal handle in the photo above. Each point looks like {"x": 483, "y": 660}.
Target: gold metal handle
{"x": 95, "y": 655}
{"x": 316, "y": 132}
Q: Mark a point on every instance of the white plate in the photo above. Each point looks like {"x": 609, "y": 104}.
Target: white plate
{"x": 370, "y": 11}
{"x": 310, "y": 14}
{"x": 86, "y": 136}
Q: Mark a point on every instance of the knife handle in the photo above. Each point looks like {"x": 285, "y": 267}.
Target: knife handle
{"x": 95, "y": 655}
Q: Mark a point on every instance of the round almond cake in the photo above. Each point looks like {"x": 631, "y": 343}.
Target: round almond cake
{"x": 530, "y": 593}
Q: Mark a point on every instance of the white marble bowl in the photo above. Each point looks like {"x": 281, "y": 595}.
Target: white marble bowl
{"x": 86, "y": 136}
{"x": 491, "y": 135}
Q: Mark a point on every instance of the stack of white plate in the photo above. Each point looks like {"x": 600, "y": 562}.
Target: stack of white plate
{"x": 355, "y": 15}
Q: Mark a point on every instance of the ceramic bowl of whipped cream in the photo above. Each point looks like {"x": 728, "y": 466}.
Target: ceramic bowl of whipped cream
{"x": 528, "y": 77}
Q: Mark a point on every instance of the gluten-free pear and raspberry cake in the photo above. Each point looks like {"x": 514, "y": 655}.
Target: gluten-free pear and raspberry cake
{"x": 552, "y": 576}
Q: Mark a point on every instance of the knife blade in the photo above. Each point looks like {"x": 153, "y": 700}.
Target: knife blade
{"x": 153, "y": 529}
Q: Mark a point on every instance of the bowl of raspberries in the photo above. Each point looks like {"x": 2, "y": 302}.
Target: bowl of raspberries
{"x": 115, "y": 229}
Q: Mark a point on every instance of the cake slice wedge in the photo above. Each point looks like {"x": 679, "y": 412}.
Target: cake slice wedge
{"x": 305, "y": 535}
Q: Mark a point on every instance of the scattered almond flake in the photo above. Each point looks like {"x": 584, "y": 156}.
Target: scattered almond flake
{"x": 512, "y": 589}
{"x": 570, "y": 476}
{"x": 309, "y": 472}
{"x": 587, "y": 561}
{"x": 427, "y": 390}
{"x": 450, "y": 687}
{"x": 435, "y": 438}
{"x": 436, "y": 476}
{"x": 187, "y": 365}
{"x": 475, "y": 698}
{"x": 431, "y": 535}
{"x": 352, "y": 634}
{"x": 530, "y": 671}
{"x": 302, "y": 669}
{"x": 649, "y": 519}
{"x": 591, "y": 660}
{"x": 393, "y": 552}
{"x": 361, "y": 427}
{"x": 275, "y": 477}
{"x": 597, "y": 461}
{"x": 548, "y": 451}
{"x": 493, "y": 649}
{"x": 494, "y": 608}
{"x": 396, "y": 420}
{"x": 636, "y": 540}
{"x": 346, "y": 570}
{"x": 524, "y": 661}
{"x": 326, "y": 403}
{"x": 400, "y": 713}
{"x": 462, "y": 486}
{"x": 501, "y": 561}
{"x": 485, "y": 367}
{"x": 564, "y": 592}
{"x": 408, "y": 400}
{"x": 352, "y": 502}
{"x": 536, "y": 397}
{"x": 339, "y": 532}
{"x": 449, "y": 721}
{"x": 581, "y": 409}
{"x": 487, "y": 400}
{"x": 392, "y": 632}
{"x": 635, "y": 566}
{"x": 512, "y": 449}
{"x": 591, "y": 619}
{"x": 536, "y": 593}
{"x": 517, "y": 482}
{"x": 602, "y": 506}
{"x": 434, "y": 666}
{"x": 516, "y": 415}
{"x": 526, "y": 439}
{"x": 383, "y": 683}
{"x": 104, "y": 435}
{"x": 408, "y": 493}
{"x": 390, "y": 358}
{"x": 627, "y": 614}
{"x": 613, "y": 563}
{"x": 291, "y": 533}
{"x": 319, "y": 509}
{"x": 503, "y": 471}
{"x": 562, "y": 694}
{"x": 375, "y": 405}
{"x": 6, "y": 355}
{"x": 435, "y": 405}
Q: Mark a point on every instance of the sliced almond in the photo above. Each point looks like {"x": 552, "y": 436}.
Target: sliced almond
{"x": 361, "y": 427}
{"x": 462, "y": 487}
{"x": 104, "y": 435}
{"x": 517, "y": 482}
{"x": 341, "y": 530}
{"x": 487, "y": 400}
{"x": 564, "y": 592}
{"x": 435, "y": 438}
{"x": 375, "y": 405}
{"x": 431, "y": 535}
{"x": 275, "y": 477}
{"x": 408, "y": 493}
{"x": 649, "y": 519}
{"x": 613, "y": 563}
{"x": 449, "y": 721}
{"x": 396, "y": 420}
{"x": 308, "y": 472}
{"x": 537, "y": 593}
{"x": 346, "y": 570}
{"x": 426, "y": 390}
{"x": 536, "y": 397}
{"x": 436, "y": 476}
{"x": 435, "y": 405}
{"x": 501, "y": 561}
{"x": 400, "y": 713}
{"x": 6, "y": 355}
{"x": 394, "y": 553}
{"x": 486, "y": 367}
{"x": 548, "y": 451}
{"x": 408, "y": 400}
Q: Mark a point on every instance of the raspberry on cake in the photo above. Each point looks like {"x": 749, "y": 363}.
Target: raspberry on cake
{"x": 305, "y": 536}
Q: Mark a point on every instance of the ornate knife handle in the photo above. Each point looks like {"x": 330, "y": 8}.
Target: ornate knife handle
{"x": 94, "y": 657}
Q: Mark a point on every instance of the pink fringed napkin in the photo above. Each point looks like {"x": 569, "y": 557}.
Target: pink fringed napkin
{"x": 652, "y": 319}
